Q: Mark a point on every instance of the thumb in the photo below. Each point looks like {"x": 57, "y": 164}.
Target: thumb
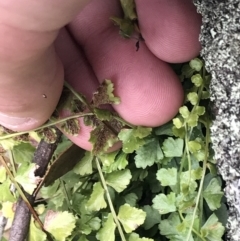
{"x": 31, "y": 74}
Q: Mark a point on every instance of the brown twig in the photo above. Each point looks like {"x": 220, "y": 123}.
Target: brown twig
{"x": 22, "y": 216}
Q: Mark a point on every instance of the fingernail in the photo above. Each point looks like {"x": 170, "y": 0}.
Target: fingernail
{"x": 17, "y": 123}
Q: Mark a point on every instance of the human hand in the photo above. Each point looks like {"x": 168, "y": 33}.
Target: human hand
{"x": 90, "y": 49}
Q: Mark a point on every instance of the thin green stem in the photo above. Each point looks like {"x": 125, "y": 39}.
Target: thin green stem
{"x": 109, "y": 200}
{"x": 197, "y": 233}
{"x": 123, "y": 121}
{"x": 78, "y": 96}
{"x": 187, "y": 150}
{"x": 202, "y": 180}
{"x": 10, "y": 154}
{"x": 53, "y": 123}
{"x": 62, "y": 185}
{"x": 3, "y": 162}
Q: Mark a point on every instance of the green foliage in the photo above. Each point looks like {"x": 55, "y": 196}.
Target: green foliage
{"x": 26, "y": 177}
{"x": 5, "y": 193}
{"x": 96, "y": 201}
{"x": 119, "y": 180}
{"x": 173, "y": 147}
{"x": 108, "y": 230}
{"x": 213, "y": 194}
{"x": 131, "y": 217}
{"x": 162, "y": 184}
{"x": 165, "y": 203}
{"x": 148, "y": 154}
{"x": 212, "y": 230}
{"x": 132, "y": 139}
{"x": 36, "y": 234}
{"x": 59, "y": 224}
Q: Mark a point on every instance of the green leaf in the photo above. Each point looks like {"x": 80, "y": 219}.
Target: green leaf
{"x": 193, "y": 119}
{"x": 103, "y": 115}
{"x": 9, "y": 143}
{"x": 184, "y": 112}
{"x": 108, "y": 230}
{"x": 104, "y": 94}
{"x": 165, "y": 203}
{"x": 173, "y": 147}
{"x": 167, "y": 177}
{"x": 168, "y": 228}
{"x": 196, "y": 64}
{"x": 133, "y": 138}
{"x": 179, "y": 132}
{"x": 96, "y": 201}
{"x": 152, "y": 217}
{"x": 36, "y": 234}
{"x": 186, "y": 202}
{"x": 212, "y": 230}
{"x": 205, "y": 95}
{"x": 186, "y": 223}
{"x": 131, "y": 218}
{"x": 193, "y": 98}
{"x": 50, "y": 191}
{"x": 59, "y": 224}
{"x": 83, "y": 238}
{"x": 131, "y": 199}
{"x": 148, "y": 154}
{"x": 119, "y": 180}
{"x": 26, "y": 177}
{"x": 95, "y": 223}
{"x": 84, "y": 167}
{"x": 23, "y": 153}
{"x": 5, "y": 193}
{"x": 129, "y": 9}
{"x": 187, "y": 183}
{"x": 197, "y": 80}
{"x": 7, "y": 209}
{"x": 135, "y": 237}
{"x": 194, "y": 146}
{"x": 187, "y": 71}
{"x": 83, "y": 227}
{"x": 200, "y": 110}
{"x": 177, "y": 123}
{"x": 126, "y": 26}
{"x": 108, "y": 158}
{"x": 119, "y": 164}
{"x": 3, "y": 174}
{"x": 165, "y": 129}
{"x": 213, "y": 194}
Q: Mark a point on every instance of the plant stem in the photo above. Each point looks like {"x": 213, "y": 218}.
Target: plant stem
{"x": 197, "y": 233}
{"x": 21, "y": 193}
{"x": 202, "y": 180}
{"x": 54, "y": 123}
{"x": 109, "y": 200}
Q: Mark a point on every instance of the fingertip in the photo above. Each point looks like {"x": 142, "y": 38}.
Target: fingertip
{"x": 170, "y": 28}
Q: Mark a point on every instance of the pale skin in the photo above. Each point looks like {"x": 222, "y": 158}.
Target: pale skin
{"x": 37, "y": 53}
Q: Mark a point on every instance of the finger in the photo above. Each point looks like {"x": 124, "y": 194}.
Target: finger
{"x": 170, "y": 28}
{"x": 31, "y": 74}
{"x": 44, "y": 15}
{"x": 150, "y": 91}
{"x": 80, "y": 76}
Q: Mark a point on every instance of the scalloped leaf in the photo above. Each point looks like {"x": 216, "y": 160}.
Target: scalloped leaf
{"x": 59, "y": 224}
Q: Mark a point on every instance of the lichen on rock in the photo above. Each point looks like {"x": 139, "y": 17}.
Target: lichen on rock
{"x": 220, "y": 39}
